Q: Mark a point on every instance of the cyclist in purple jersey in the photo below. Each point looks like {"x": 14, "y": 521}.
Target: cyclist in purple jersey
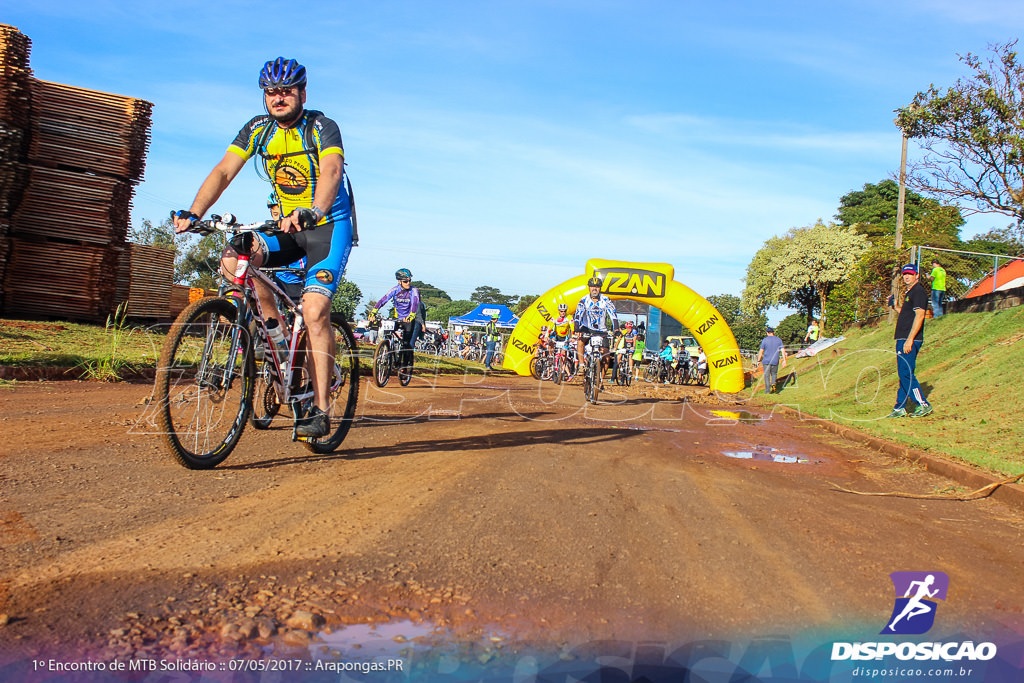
{"x": 406, "y": 300}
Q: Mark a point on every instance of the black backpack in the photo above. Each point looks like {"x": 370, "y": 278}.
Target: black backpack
{"x": 312, "y": 120}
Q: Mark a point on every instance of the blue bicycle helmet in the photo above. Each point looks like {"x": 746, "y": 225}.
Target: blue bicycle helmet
{"x": 272, "y": 200}
{"x": 403, "y": 274}
{"x": 282, "y": 73}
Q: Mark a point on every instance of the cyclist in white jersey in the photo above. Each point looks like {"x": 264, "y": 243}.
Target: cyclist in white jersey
{"x": 589, "y": 318}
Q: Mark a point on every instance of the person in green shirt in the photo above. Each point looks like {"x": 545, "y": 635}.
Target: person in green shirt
{"x": 491, "y": 337}
{"x": 813, "y": 331}
{"x": 638, "y": 351}
{"x": 938, "y": 276}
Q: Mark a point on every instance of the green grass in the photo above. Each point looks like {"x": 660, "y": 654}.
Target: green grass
{"x": 107, "y": 351}
{"x": 60, "y": 344}
{"x": 967, "y": 367}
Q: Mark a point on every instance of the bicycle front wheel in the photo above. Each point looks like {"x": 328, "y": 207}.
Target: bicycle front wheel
{"x": 382, "y": 359}
{"x": 204, "y": 383}
{"x": 587, "y": 379}
{"x": 343, "y": 394}
{"x": 590, "y": 379}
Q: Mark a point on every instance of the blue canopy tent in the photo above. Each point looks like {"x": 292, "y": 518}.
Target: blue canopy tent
{"x": 481, "y": 315}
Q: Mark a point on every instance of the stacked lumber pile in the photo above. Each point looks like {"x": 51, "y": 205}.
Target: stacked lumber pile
{"x": 82, "y": 152}
{"x": 15, "y": 83}
{"x": 151, "y": 270}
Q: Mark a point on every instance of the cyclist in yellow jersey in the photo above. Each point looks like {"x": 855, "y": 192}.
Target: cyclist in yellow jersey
{"x": 563, "y": 326}
{"x": 307, "y": 178}
{"x": 628, "y": 342}
{"x": 562, "y": 329}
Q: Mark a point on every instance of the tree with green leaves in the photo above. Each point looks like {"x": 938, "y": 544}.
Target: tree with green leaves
{"x": 747, "y": 328}
{"x": 524, "y": 302}
{"x": 491, "y": 295}
{"x": 431, "y": 295}
{"x": 198, "y": 260}
{"x": 450, "y": 309}
{"x": 1008, "y": 241}
{"x": 161, "y": 235}
{"x": 346, "y": 298}
{"x": 972, "y": 135}
{"x": 792, "y": 329}
{"x": 801, "y": 268}
{"x": 872, "y": 211}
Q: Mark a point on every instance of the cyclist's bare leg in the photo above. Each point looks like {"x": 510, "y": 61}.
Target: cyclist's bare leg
{"x": 316, "y": 310}
{"x": 268, "y": 303}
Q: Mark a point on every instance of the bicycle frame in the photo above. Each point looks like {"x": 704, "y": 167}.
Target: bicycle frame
{"x": 243, "y": 292}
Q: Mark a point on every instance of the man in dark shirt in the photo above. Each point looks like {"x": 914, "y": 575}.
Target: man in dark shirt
{"x": 909, "y": 337}
{"x": 770, "y": 353}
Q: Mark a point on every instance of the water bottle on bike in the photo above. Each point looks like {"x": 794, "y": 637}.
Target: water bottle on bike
{"x": 278, "y": 342}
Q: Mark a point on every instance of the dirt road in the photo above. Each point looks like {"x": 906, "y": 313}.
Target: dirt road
{"x": 482, "y": 505}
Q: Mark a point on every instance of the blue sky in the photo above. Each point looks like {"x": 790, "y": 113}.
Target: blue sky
{"x": 505, "y": 143}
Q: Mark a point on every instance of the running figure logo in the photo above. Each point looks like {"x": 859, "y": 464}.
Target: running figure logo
{"x": 914, "y": 612}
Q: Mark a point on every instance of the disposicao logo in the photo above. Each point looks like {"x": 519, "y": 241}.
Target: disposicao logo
{"x": 913, "y": 613}
{"x": 914, "y": 610}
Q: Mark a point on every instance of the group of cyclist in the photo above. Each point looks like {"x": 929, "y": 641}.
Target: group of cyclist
{"x": 677, "y": 365}
{"x": 589, "y": 319}
{"x": 622, "y": 347}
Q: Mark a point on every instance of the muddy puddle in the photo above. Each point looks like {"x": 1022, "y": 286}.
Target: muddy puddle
{"x": 400, "y": 640}
{"x": 730, "y": 416}
{"x": 769, "y": 454}
{"x": 370, "y": 641}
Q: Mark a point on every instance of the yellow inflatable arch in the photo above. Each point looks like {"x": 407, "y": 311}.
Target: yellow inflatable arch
{"x": 651, "y": 283}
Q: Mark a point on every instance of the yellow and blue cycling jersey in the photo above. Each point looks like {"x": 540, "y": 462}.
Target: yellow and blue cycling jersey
{"x": 293, "y": 168}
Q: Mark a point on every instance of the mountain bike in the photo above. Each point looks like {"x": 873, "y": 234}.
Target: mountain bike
{"x": 389, "y": 356}
{"x": 623, "y": 375}
{"x": 564, "y": 365}
{"x": 701, "y": 375}
{"x": 654, "y": 370}
{"x": 206, "y": 375}
{"x": 541, "y": 365}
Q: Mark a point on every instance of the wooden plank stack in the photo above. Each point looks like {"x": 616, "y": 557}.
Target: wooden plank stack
{"x": 15, "y": 83}
{"x": 151, "y": 269}
{"x": 80, "y": 155}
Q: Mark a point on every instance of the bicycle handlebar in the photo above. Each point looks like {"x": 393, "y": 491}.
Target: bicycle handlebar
{"x": 229, "y": 224}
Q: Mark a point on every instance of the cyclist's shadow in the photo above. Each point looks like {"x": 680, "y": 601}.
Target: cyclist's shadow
{"x": 586, "y": 436}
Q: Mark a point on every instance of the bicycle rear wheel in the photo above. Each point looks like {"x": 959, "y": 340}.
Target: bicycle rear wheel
{"x": 204, "y": 383}
{"x": 405, "y": 367}
{"x": 343, "y": 395}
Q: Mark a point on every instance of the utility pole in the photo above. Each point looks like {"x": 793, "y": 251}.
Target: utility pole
{"x": 903, "y": 194}
{"x": 899, "y": 219}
